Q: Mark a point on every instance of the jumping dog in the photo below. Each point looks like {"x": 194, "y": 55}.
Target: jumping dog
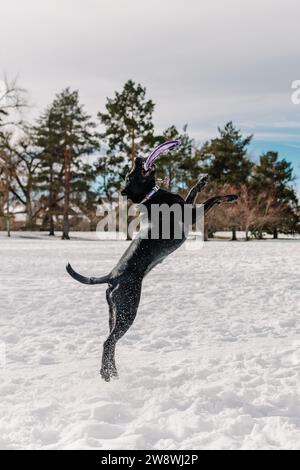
{"x": 144, "y": 253}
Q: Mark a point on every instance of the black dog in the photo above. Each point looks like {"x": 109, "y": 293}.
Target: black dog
{"x": 125, "y": 280}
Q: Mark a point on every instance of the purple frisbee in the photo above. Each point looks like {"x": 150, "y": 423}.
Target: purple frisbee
{"x": 162, "y": 148}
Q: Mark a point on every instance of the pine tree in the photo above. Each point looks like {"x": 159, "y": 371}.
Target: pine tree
{"x": 181, "y": 166}
{"x": 50, "y": 178}
{"x": 66, "y": 134}
{"x": 128, "y": 129}
{"x": 274, "y": 178}
{"x": 225, "y": 159}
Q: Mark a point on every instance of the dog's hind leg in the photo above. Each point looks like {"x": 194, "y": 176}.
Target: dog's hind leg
{"x": 111, "y": 322}
{"x": 197, "y": 188}
{"x": 124, "y": 301}
{"x": 111, "y": 319}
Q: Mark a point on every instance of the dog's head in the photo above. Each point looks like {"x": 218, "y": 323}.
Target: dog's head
{"x": 139, "y": 182}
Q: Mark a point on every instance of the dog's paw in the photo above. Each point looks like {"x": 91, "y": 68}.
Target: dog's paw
{"x": 202, "y": 181}
{"x": 104, "y": 372}
{"x": 108, "y": 373}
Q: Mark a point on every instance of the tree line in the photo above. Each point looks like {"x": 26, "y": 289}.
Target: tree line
{"x": 65, "y": 163}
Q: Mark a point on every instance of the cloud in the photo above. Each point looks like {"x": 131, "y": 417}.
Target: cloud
{"x": 203, "y": 63}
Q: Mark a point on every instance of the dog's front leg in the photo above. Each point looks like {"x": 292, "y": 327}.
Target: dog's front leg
{"x": 197, "y": 188}
{"x": 210, "y": 203}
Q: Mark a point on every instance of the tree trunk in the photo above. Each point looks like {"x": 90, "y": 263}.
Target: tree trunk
{"x": 234, "y": 239}
{"x": 132, "y": 153}
{"x": 275, "y": 234}
{"x": 51, "y": 205}
{"x": 8, "y": 225}
{"x": 51, "y": 226}
{"x": 206, "y": 234}
{"x": 7, "y": 207}
{"x": 29, "y": 210}
{"x": 67, "y": 170}
{"x": 128, "y": 235}
{"x": 260, "y": 234}
{"x": 29, "y": 215}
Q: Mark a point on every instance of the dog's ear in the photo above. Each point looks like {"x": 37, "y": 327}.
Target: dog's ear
{"x": 139, "y": 162}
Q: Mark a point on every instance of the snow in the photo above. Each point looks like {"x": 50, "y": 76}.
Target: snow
{"x": 211, "y": 362}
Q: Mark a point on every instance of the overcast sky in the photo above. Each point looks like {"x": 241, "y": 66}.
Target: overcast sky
{"x": 204, "y": 62}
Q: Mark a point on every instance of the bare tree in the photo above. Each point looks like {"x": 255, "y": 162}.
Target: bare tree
{"x": 27, "y": 164}
{"x": 12, "y": 101}
{"x": 7, "y": 172}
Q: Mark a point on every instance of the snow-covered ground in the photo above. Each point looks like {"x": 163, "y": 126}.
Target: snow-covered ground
{"x": 211, "y": 362}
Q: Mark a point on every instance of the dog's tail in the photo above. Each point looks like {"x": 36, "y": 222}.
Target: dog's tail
{"x": 86, "y": 280}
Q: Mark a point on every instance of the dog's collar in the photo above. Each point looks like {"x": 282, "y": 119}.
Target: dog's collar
{"x": 150, "y": 194}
